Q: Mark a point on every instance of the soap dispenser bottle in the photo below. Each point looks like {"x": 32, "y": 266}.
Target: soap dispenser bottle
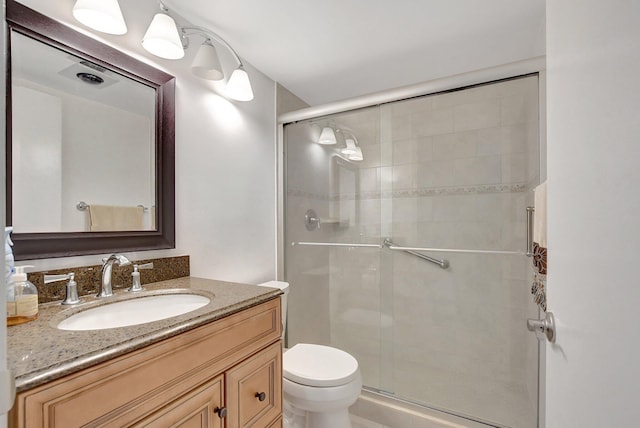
{"x": 22, "y": 298}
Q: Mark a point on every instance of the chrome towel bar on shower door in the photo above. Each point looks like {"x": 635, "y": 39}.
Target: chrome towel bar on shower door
{"x": 440, "y": 262}
{"x": 387, "y": 243}
{"x": 335, "y": 244}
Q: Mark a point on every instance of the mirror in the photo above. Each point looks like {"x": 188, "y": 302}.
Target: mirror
{"x": 90, "y": 144}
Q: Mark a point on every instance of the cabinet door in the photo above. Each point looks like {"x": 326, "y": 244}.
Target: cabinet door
{"x": 254, "y": 389}
{"x": 276, "y": 424}
{"x": 196, "y": 409}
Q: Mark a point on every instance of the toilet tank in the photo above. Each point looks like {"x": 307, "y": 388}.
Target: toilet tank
{"x": 284, "y": 286}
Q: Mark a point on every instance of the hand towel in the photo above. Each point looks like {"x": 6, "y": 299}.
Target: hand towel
{"x": 540, "y": 215}
{"x": 115, "y": 218}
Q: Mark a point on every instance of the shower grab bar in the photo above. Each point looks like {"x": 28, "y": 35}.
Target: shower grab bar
{"x": 443, "y": 263}
{"x": 455, "y": 250}
{"x": 530, "y": 214}
{"x": 335, "y": 244}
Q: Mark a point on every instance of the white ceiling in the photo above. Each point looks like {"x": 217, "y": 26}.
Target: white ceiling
{"x": 331, "y": 50}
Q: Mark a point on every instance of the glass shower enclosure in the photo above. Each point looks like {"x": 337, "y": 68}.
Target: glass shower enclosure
{"x": 405, "y": 242}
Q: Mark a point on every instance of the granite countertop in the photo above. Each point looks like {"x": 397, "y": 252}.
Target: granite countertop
{"x": 38, "y": 352}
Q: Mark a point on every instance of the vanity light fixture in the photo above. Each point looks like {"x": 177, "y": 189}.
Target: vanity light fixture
{"x": 206, "y": 64}
{"x": 101, "y": 15}
{"x": 239, "y": 86}
{"x": 165, "y": 39}
{"x": 327, "y": 136}
{"x": 162, "y": 37}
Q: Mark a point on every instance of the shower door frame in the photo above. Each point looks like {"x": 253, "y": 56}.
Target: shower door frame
{"x": 508, "y": 71}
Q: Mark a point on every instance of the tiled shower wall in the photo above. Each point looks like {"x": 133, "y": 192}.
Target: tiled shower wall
{"x": 453, "y": 170}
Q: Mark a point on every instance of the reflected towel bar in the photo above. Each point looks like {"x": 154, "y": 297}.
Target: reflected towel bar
{"x": 443, "y": 263}
{"x": 83, "y": 206}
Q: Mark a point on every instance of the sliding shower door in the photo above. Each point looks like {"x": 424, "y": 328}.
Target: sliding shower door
{"x": 333, "y": 238}
{"x": 446, "y": 176}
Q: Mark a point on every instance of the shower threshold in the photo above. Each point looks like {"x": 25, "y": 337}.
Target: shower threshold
{"x": 394, "y": 412}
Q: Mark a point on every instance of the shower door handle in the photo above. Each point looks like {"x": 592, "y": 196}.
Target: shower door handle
{"x": 545, "y": 328}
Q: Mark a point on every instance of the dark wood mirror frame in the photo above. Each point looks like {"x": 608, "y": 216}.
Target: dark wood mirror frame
{"x": 44, "y": 245}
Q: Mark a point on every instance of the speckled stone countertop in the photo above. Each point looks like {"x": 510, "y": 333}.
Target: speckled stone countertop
{"x": 38, "y": 352}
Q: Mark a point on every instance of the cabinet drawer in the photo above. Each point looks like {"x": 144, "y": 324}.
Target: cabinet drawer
{"x": 196, "y": 409}
{"x": 254, "y": 389}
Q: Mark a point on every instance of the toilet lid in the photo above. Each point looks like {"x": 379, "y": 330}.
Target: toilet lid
{"x": 318, "y": 365}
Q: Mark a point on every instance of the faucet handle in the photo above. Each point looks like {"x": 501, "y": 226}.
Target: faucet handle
{"x": 55, "y": 278}
{"x": 136, "y": 285}
{"x": 71, "y": 297}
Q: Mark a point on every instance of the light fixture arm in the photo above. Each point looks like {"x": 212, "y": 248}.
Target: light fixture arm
{"x": 207, "y": 34}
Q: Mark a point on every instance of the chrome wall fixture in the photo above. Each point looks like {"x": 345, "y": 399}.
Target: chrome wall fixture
{"x": 544, "y": 329}
{"x": 165, "y": 39}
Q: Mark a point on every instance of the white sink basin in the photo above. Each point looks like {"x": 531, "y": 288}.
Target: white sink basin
{"x": 134, "y": 311}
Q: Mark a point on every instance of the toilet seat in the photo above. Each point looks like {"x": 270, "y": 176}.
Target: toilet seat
{"x": 318, "y": 365}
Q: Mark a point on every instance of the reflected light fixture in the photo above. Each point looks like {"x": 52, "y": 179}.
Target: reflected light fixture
{"x": 357, "y": 156}
{"x": 327, "y": 136}
{"x": 351, "y": 147}
{"x": 101, "y": 15}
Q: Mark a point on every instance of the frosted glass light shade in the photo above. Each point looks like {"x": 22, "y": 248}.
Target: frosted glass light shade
{"x": 357, "y": 156}
{"x": 101, "y": 15}
{"x": 206, "y": 64}
{"x": 327, "y": 136}
{"x": 162, "y": 38}
{"x": 351, "y": 147}
{"x": 239, "y": 86}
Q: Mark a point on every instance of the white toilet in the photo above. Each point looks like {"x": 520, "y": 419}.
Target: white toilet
{"x": 320, "y": 382}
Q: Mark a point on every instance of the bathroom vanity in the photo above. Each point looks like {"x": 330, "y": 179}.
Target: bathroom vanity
{"x": 217, "y": 366}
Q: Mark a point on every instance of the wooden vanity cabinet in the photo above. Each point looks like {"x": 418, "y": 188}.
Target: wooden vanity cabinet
{"x": 226, "y": 374}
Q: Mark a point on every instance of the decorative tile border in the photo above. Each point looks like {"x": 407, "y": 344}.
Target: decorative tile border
{"x": 304, "y": 194}
{"x": 88, "y": 277}
{"x": 416, "y": 193}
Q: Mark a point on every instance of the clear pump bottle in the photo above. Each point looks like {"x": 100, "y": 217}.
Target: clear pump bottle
{"x": 22, "y": 298}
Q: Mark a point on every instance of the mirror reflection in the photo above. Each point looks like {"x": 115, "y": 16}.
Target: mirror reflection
{"x": 83, "y": 144}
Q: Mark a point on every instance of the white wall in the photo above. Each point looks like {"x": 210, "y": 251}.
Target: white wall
{"x": 225, "y": 164}
{"x": 593, "y": 83}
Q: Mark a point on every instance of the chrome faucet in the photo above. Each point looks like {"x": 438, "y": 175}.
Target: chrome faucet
{"x": 107, "y": 266}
